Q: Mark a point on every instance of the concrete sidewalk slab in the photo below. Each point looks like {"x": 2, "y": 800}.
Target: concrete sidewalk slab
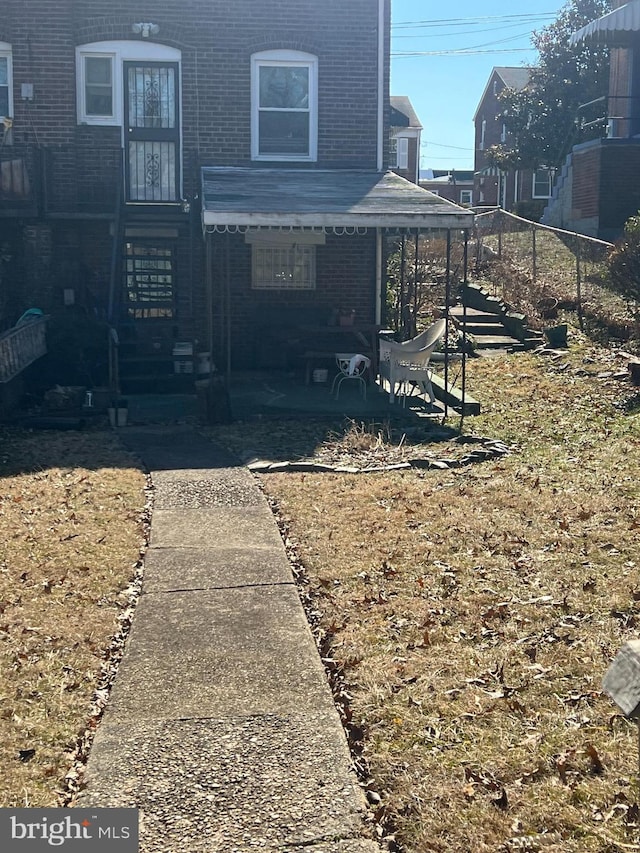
{"x": 234, "y": 785}
{"x": 222, "y": 487}
{"x": 236, "y": 651}
{"x": 221, "y": 727}
{"x": 215, "y": 528}
{"x": 171, "y": 570}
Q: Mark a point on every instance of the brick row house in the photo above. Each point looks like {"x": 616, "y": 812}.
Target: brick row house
{"x": 598, "y": 188}
{"x": 200, "y": 174}
{"x": 511, "y": 189}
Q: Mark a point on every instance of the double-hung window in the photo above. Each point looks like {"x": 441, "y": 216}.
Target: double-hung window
{"x": 284, "y": 116}
{"x": 542, "y": 180}
{"x": 6, "y": 99}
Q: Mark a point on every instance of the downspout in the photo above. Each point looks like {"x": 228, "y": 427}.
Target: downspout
{"x": 378, "y": 318}
{"x": 380, "y": 156}
{"x": 380, "y": 159}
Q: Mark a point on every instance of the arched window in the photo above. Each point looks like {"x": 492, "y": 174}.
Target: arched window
{"x": 284, "y": 105}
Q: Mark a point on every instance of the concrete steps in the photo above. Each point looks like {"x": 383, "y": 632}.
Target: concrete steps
{"x": 492, "y": 323}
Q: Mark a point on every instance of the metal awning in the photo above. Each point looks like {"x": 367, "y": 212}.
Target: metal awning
{"x": 616, "y": 28}
{"x": 305, "y": 198}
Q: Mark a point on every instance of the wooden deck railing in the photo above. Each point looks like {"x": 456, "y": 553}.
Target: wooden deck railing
{"x": 21, "y": 346}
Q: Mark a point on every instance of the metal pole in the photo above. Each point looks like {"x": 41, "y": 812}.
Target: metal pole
{"x": 579, "y": 285}
{"x": 401, "y": 318}
{"x": 414, "y": 330}
{"x": 535, "y": 253}
{"x": 227, "y": 300}
{"x": 464, "y": 328}
{"x": 447, "y": 301}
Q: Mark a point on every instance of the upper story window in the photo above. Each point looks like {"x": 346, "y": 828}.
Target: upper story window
{"x": 483, "y": 134}
{"x": 100, "y": 78}
{"x": 466, "y": 196}
{"x": 284, "y": 98}
{"x": 6, "y": 93}
{"x": 542, "y": 183}
{"x": 399, "y": 152}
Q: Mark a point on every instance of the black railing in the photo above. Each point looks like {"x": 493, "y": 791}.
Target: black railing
{"x": 72, "y": 180}
{"x": 81, "y": 180}
{"x": 20, "y": 179}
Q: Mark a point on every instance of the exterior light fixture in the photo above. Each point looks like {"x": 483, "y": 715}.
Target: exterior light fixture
{"x": 145, "y": 29}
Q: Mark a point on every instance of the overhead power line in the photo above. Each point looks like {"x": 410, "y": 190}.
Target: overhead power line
{"x": 481, "y": 19}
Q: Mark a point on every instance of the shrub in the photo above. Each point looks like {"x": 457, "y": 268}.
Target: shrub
{"x": 624, "y": 262}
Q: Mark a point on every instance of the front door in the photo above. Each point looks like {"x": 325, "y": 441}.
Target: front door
{"x": 152, "y": 129}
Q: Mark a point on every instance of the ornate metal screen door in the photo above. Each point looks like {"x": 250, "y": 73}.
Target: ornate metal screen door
{"x": 153, "y": 132}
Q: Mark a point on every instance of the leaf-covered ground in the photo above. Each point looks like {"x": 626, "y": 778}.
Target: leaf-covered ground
{"x": 71, "y": 507}
{"x": 471, "y": 614}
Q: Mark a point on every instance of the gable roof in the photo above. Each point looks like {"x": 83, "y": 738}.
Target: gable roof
{"x": 402, "y": 104}
{"x": 512, "y": 77}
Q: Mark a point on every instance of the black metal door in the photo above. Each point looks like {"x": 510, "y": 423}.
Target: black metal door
{"x": 152, "y": 123}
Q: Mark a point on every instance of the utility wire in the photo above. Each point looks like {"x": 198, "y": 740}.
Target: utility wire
{"x": 482, "y": 19}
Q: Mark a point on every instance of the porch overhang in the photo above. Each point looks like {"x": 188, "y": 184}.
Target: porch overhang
{"x": 617, "y": 28}
{"x": 301, "y": 198}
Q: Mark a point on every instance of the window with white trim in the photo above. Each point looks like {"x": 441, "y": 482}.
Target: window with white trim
{"x": 284, "y": 105}
{"x": 99, "y": 76}
{"x": 6, "y": 87}
{"x": 466, "y": 196}
{"x": 483, "y": 133}
{"x": 393, "y": 152}
{"x": 542, "y": 183}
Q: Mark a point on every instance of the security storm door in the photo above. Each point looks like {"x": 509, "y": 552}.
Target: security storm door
{"x": 152, "y": 127}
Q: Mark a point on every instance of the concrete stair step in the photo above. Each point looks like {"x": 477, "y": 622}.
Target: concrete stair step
{"x": 497, "y": 342}
{"x": 473, "y": 315}
{"x": 484, "y": 329}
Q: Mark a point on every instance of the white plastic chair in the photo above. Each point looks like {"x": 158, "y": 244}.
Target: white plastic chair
{"x": 408, "y": 363}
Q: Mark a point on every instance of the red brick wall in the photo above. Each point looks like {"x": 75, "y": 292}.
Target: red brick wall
{"x": 586, "y": 183}
{"x": 620, "y": 187}
{"x": 345, "y": 278}
{"x": 216, "y": 40}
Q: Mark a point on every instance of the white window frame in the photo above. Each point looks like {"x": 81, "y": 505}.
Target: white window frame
{"x": 468, "y": 196}
{"x": 402, "y": 152}
{"x": 119, "y": 52}
{"x": 6, "y": 53}
{"x": 292, "y": 59}
{"x": 393, "y": 152}
{"x": 503, "y": 133}
{"x": 549, "y": 175}
{"x": 483, "y": 133}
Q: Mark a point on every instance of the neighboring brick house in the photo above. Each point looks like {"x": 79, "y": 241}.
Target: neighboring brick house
{"x": 456, "y": 185}
{"x": 133, "y": 128}
{"x": 514, "y": 188}
{"x": 404, "y": 139}
{"x": 599, "y": 186}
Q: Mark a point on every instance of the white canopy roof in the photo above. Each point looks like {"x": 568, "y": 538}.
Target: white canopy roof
{"x": 616, "y": 28}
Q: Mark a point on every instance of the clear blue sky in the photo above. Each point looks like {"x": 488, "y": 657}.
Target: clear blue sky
{"x": 455, "y": 46}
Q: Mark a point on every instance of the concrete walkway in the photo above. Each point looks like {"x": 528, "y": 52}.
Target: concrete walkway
{"x": 221, "y": 727}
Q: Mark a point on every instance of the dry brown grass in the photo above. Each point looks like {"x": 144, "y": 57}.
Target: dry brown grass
{"x": 70, "y": 514}
{"x": 472, "y": 614}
